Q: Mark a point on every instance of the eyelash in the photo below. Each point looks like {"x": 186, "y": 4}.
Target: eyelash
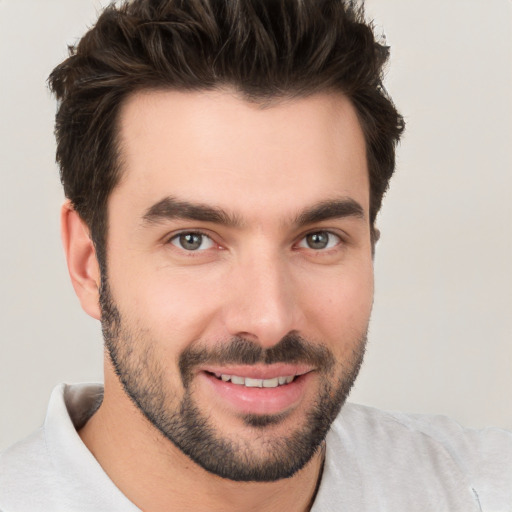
{"x": 302, "y": 240}
{"x": 202, "y": 234}
{"x": 330, "y": 235}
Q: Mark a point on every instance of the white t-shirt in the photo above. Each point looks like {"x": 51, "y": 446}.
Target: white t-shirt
{"x": 375, "y": 461}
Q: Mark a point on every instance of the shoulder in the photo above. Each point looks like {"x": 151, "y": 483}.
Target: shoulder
{"x": 433, "y": 450}
{"x": 468, "y": 447}
{"x": 52, "y": 469}
{"x": 26, "y": 472}
{"x": 29, "y": 469}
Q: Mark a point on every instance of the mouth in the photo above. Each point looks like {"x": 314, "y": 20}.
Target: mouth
{"x": 257, "y": 390}
{"x": 249, "y": 382}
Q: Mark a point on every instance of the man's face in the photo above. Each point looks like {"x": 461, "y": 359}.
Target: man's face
{"x": 239, "y": 273}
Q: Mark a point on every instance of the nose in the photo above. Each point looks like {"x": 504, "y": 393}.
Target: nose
{"x": 262, "y": 305}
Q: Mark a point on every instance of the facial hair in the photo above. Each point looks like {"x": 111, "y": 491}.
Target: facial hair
{"x": 135, "y": 360}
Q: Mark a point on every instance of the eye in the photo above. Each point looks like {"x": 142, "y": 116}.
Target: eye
{"x": 319, "y": 240}
{"x": 192, "y": 241}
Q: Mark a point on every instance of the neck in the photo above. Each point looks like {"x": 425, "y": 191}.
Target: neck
{"x": 156, "y": 476}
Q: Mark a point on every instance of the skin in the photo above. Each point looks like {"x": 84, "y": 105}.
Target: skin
{"x": 258, "y": 279}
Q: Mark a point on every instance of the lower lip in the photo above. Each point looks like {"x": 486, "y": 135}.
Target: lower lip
{"x": 258, "y": 400}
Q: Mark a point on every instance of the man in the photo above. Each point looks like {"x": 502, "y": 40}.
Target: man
{"x": 224, "y": 164}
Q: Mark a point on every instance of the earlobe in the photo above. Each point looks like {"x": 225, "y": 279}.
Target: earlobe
{"x": 81, "y": 258}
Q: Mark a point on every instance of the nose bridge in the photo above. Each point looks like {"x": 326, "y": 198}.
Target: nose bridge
{"x": 262, "y": 304}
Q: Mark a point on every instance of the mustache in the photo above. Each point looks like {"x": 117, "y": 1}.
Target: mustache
{"x": 292, "y": 349}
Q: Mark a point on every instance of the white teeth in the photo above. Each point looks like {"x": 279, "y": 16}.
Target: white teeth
{"x": 253, "y": 383}
{"x": 271, "y": 383}
{"x": 256, "y": 383}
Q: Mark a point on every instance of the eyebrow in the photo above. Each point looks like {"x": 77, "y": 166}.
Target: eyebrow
{"x": 170, "y": 208}
{"x": 330, "y": 209}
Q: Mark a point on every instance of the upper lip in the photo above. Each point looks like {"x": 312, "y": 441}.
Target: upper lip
{"x": 260, "y": 371}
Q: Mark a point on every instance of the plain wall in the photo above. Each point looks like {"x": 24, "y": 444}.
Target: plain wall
{"x": 440, "y": 337}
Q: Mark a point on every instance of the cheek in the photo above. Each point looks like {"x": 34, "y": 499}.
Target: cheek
{"x": 170, "y": 304}
{"x": 341, "y": 303}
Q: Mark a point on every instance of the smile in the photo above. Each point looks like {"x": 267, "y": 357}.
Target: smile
{"x": 256, "y": 383}
{"x": 258, "y": 389}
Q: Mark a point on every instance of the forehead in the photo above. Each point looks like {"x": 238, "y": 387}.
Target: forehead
{"x": 216, "y": 148}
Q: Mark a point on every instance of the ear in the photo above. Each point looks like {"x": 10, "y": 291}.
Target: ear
{"x": 83, "y": 265}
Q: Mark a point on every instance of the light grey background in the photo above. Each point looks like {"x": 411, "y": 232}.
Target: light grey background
{"x": 440, "y": 337}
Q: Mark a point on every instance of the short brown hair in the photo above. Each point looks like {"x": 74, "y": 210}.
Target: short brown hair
{"x": 264, "y": 49}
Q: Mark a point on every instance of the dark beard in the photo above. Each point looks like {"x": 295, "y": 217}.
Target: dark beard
{"x": 190, "y": 430}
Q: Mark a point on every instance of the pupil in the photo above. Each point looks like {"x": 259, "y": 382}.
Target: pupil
{"x": 191, "y": 241}
{"x": 317, "y": 240}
